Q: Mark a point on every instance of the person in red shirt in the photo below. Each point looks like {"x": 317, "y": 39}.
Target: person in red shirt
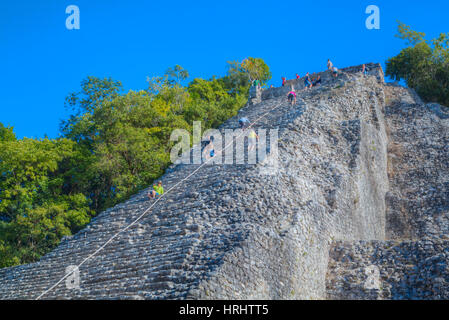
{"x": 297, "y": 76}
{"x": 283, "y": 81}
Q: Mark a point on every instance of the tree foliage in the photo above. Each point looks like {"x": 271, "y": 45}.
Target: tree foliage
{"x": 35, "y": 212}
{"x": 6, "y": 133}
{"x": 251, "y": 69}
{"x": 424, "y": 65}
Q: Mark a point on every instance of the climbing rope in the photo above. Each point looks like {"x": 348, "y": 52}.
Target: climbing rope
{"x": 148, "y": 209}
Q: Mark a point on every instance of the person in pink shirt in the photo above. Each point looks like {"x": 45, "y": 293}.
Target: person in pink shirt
{"x": 291, "y": 96}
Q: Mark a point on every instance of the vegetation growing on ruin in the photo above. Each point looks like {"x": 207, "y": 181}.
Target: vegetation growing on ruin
{"x": 423, "y": 64}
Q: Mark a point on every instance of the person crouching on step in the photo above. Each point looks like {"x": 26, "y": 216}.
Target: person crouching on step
{"x": 158, "y": 190}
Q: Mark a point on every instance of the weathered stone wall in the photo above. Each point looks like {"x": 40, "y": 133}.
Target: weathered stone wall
{"x": 399, "y": 269}
{"x": 416, "y": 264}
{"x": 418, "y": 200}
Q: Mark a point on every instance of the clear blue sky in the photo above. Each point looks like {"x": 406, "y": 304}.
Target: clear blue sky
{"x": 41, "y": 61}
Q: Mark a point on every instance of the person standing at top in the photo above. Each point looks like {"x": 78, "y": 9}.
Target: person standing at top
{"x": 297, "y": 76}
{"x": 329, "y": 64}
{"x": 364, "y": 70}
{"x": 283, "y": 81}
{"x": 307, "y": 82}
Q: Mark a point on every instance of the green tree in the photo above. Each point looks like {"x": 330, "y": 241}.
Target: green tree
{"x": 252, "y": 68}
{"x": 177, "y": 74}
{"x": 6, "y": 133}
{"x": 424, "y": 65}
{"x": 34, "y": 210}
{"x": 94, "y": 91}
{"x": 29, "y": 170}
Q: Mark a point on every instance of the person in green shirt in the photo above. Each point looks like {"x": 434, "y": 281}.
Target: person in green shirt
{"x": 158, "y": 190}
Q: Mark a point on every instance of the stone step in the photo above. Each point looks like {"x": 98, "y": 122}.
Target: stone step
{"x": 388, "y": 270}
